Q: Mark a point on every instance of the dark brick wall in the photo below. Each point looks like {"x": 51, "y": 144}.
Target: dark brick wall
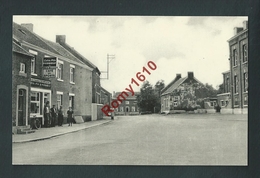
{"x": 20, "y": 79}
{"x": 240, "y": 98}
{"x": 82, "y": 87}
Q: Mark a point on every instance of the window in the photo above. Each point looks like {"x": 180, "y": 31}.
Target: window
{"x": 60, "y": 70}
{"x": 245, "y": 81}
{"x": 59, "y": 100}
{"x": 133, "y": 109}
{"x": 235, "y": 84}
{"x": 213, "y": 103}
{"x": 22, "y": 68}
{"x": 227, "y": 85}
{"x": 97, "y": 98}
{"x": 33, "y": 61}
{"x": 234, "y": 57}
{"x": 175, "y": 104}
{"x": 176, "y": 98}
{"x": 35, "y": 102}
{"x": 121, "y": 109}
{"x": 222, "y": 103}
{"x": 126, "y": 102}
{"x": 33, "y": 65}
{"x": 71, "y": 101}
{"x": 226, "y": 102}
{"x": 72, "y": 72}
{"x": 244, "y": 53}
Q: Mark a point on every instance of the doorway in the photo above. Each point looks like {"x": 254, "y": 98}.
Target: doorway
{"x": 22, "y": 107}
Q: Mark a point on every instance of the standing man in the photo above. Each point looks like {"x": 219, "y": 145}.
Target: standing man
{"x": 46, "y": 114}
{"x": 60, "y": 116}
{"x": 53, "y": 115}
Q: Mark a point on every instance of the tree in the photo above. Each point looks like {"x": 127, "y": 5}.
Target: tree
{"x": 147, "y": 99}
{"x": 157, "y": 89}
{"x": 220, "y": 89}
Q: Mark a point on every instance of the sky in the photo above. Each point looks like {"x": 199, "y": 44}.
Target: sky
{"x": 176, "y": 45}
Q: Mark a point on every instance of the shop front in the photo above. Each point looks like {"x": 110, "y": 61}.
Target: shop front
{"x": 40, "y": 94}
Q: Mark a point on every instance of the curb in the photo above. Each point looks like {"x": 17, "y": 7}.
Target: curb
{"x": 59, "y": 134}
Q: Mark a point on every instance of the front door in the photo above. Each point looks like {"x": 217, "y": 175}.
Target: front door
{"x": 21, "y": 107}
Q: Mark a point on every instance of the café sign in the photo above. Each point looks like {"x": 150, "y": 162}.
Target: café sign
{"x": 49, "y": 67}
{"x": 49, "y": 73}
{"x": 40, "y": 83}
{"x": 49, "y": 62}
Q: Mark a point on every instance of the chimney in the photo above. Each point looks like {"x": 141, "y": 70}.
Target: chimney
{"x": 190, "y": 75}
{"x": 60, "y": 39}
{"x": 178, "y": 76}
{"x": 237, "y": 30}
{"x": 29, "y": 26}
{"x": 114, "y": 94}
{"x": 245, "y": 24}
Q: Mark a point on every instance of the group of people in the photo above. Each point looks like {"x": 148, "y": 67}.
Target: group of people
{"x": 53, "y": 115}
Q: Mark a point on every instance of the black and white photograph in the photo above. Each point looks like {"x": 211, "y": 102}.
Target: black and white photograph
{"x": 130, "y": 90}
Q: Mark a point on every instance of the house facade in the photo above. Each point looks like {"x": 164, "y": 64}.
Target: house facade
{"x": 180, "y": 94}
{"x": 236, "y": 79}
{"x": 21, "y": 86}
{"x": 96, "y": 85}
{"x": 128, "y": 106}
{"x": 68, "y": 84}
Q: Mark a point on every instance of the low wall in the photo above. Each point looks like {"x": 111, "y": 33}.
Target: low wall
{"x": 234, "y": 111}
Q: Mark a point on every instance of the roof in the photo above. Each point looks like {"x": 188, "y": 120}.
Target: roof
{"x": 226, "y": 72}
{"x": 237, "y": 35}
{"x": 17, "y": 48}
{"x": 23, "y": 34}
{"x": 129, "y": 95}
{"x": 105, "y": 90}
{"x": 62, "y": 51}
{"x": 79, "y": 56}
{"x": 174, "y": 85}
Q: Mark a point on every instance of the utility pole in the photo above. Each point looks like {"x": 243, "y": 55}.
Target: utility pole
{"x": 110, "y": 57}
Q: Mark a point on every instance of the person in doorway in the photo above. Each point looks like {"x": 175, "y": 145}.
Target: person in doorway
{"x": 46, "y": 114}
{"x": 60, "y": 116}
{"x": 70, "y": 116}
{"x": 53, "y": 115}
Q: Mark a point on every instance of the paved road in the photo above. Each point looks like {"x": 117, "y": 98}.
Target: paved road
{"x": 146, "y": 140}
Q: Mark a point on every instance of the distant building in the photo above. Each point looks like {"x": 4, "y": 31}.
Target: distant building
{"x": 180, "y": 93}
{"x": 236, "y": 79}
{"x": 128, "y": 106}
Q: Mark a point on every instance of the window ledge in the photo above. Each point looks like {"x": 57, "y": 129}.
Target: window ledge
{"x": 245, "y": 62}
{"x": 234, "y": 66}
{"x": 23, "y": 74}
{"x": 72, "y": 83}
{"x": 60, "y": 80}
{"x": 34, "y": 74}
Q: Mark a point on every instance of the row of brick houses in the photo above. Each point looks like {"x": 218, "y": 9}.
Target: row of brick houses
{"x": 235, "y": 80}
{"x": 75, "y": 81}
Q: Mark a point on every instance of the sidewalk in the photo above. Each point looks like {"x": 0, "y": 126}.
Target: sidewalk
{"x": 46, "y": 133}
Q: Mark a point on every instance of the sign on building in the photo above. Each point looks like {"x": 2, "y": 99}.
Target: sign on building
{"x": 35, "y": 82}
{"x": 49, "y": 62}
{"x": 49, "y": 67}
{"x": 49, "y": 73}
